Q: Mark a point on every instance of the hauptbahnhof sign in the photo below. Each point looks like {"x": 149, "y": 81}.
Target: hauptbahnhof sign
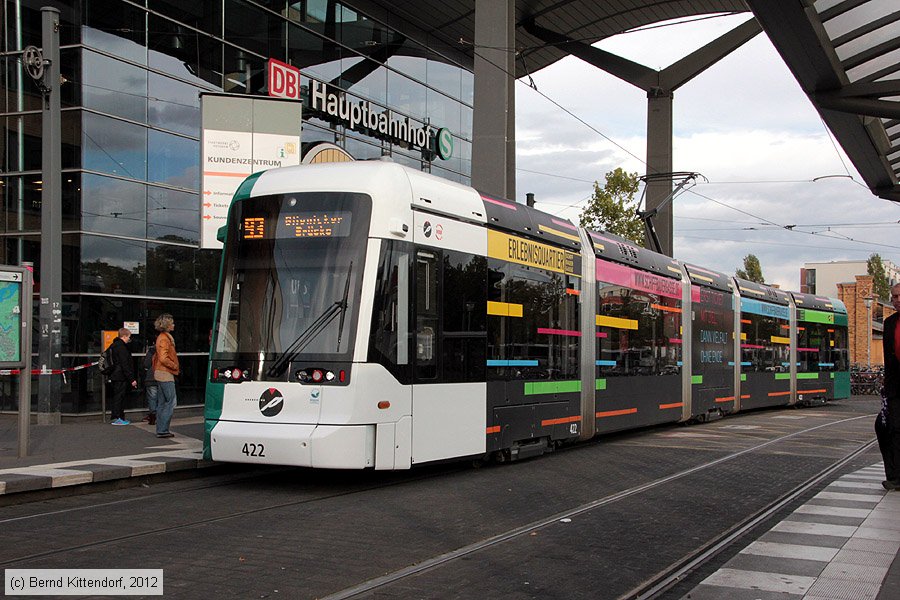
{"x": 364, "y": 116}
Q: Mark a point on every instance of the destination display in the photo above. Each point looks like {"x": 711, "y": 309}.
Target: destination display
{"x": 323, "y": 224}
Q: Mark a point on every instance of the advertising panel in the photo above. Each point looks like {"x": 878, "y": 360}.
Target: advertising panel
{"x": 241, "y": 136}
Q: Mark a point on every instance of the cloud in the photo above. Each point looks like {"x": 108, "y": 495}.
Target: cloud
{"x": 744, "y": 124}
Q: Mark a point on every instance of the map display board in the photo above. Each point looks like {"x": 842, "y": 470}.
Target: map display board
{"x": 11, "y": 318}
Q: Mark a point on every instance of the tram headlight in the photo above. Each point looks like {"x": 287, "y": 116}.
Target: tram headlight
{"x": 230, "y": 375}
{"x": 315, "y": 375}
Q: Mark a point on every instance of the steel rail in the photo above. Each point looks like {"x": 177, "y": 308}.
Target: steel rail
{"x": 668, "y": 577}
{"x": 443, "y": 559}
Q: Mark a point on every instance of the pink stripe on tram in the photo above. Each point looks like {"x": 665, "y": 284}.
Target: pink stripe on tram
{"x": 752, "y": 346}
{"x": 674, "y": 341}
{"x": 559, "y": 332}
{"x": 564, "y": 224}
{"x": 601, "y": 334}
{"x": 807, "y": 349}
{"x": 498, "y": 203}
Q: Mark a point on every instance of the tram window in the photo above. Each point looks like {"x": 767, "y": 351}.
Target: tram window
{"x": 648, "y": 342}
{"x": 426, "y": 269}
{"x": 813, "y": 348}
{"x": 764, "y": 344}
{"x": 463, "y": 317}
{"x": 389, "y": 338}
{"x": 532, "y": 342}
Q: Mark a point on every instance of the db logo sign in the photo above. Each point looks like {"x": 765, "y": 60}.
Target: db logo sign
{"x": 284, "y": 80}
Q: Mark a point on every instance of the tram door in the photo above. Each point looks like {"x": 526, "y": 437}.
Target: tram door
{"x": 712, "y": 353}
{"x": 449, "y": 299}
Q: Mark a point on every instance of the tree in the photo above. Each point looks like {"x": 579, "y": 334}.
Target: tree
{"x": 752, "y": 270}
{"x": 881, "y": 287}
{"x": 613, "y": 208}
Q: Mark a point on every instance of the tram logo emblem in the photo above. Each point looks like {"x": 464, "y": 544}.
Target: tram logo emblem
{"x": 426, "y": 228}
{"x": 271, "y": 402}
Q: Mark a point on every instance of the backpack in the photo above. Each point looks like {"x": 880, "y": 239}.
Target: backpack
{"x": 147, "y": 362}
{"x": 105, "y": 363}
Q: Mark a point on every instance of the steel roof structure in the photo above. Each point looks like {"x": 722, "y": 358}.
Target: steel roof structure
{"x": 845, "y": 54}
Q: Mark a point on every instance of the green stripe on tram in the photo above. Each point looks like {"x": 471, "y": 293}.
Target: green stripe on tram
{"x": 552, "y": 387}
{"x": 696, "y": 379}
{"x": 807, "y": 375}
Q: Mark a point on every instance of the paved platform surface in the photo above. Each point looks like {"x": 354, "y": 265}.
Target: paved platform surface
{"x": 88, "y": 452}
{"x": 841, "y": 545}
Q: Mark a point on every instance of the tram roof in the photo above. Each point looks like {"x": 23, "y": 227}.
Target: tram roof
{"x": 844, "y": 53}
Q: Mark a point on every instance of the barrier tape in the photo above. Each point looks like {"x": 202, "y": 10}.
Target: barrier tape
{"x": 47, "y": 371}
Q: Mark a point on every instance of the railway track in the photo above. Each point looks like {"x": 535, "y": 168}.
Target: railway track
{"x": 322, "y": 488}
{"x": 667, "y": 577}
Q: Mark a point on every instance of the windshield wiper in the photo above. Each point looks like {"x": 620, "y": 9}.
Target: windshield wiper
{"x": 339, "y": 307}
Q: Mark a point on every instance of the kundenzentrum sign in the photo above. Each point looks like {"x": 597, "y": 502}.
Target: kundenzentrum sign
{"x": 366, "y": 117}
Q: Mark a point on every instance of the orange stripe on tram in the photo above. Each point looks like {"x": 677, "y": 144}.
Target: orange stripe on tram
{"x": 665, "y": 308}
{"x": 616, "y": 413}
{"x": 494, "y": 429}
{"x": 772, "y": 394}
{"x": 811, "y": 391}
{"x": 560, "y": 421}
{"x": 673, "y": 405}
{"x": 725, "y": 399}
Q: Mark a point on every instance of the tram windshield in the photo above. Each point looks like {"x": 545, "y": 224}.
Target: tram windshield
{"x": 293, "y": 272}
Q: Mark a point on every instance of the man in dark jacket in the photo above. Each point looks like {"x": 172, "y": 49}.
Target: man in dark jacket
{"x": 121, "y": 377}
{"x": 887, "y": 423}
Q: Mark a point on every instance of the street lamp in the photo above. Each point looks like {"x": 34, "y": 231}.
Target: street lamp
{"x": 868, "y": 302}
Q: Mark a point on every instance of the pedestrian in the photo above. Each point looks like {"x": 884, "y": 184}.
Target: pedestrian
{"x": 151, "y": 389}
{"x": 165, "y": 369}
{"x": 122, "y": 376}
{"x": 887, "y": 423}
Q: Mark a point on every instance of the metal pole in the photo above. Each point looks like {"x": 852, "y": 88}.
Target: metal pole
{"x": 51, "y": 227}
{"x": 869, "y": 338}
{"x": 25, "y": 373}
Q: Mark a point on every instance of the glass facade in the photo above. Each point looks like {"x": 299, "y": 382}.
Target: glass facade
{"x": 131, "y": 147}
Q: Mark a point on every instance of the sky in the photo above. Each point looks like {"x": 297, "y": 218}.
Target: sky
{"x": 744, "y": 124}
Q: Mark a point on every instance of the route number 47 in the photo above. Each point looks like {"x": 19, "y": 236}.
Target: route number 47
{"x": 256, "y": 450}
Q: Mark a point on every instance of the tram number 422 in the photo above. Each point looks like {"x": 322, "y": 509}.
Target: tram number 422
{"x": 254, "y": 450}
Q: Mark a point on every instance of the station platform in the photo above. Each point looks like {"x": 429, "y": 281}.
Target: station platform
{"x": 843, "y": 544}
{"x": 72, "y": 454}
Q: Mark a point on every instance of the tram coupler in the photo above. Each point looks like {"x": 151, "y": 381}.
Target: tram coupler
{"x": 528, "y": 449}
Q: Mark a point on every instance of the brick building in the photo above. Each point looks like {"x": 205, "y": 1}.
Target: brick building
{"x": 865, "y": 344}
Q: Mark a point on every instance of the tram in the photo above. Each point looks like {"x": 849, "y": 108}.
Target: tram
{"x": 371, "y": 316}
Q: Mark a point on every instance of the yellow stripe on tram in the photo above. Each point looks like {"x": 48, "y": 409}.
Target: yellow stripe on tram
{"x": 504, "y": 309}
{"x": 616, "y": 322}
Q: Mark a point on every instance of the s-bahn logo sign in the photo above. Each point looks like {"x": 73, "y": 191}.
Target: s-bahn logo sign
{"x": 336, "y": 105}
{"x": 271, "y": 402}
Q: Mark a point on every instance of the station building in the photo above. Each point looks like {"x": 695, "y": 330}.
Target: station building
{"x": 134, "y": 72}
